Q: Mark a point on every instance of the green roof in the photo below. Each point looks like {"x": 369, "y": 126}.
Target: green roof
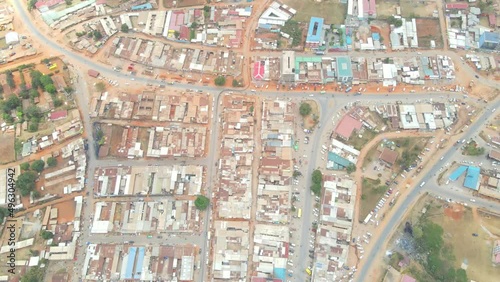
{"x": 344, "y": 68}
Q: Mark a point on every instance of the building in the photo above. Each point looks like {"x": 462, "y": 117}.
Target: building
{"x": 388, "y": 157}
{"x": 495, "y": 155}
{"x": 347, "y": 126}
{"x": 314, "y": 33}
{"x": 287, "y": 67}
{"x": 93, "y": 73}
{"x": 11, "y": 38}
{"x": 489, "y": 40}
{"x": 344, "y": 69}
{"x": 58, "y": 115}
{"x": 276, "y": 14}
{"x": 43, "y": 6}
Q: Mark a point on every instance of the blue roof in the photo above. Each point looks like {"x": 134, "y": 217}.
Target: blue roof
{"x": 344, "y": 68}
{"x": 140, "y": 261}
{"x": 145, "y": 6}
{"x": 339, "y": 162}
{"x": 348, "y": 40}
{"x": 492, "y": 37}
{"x": 280, "y": 273}
{"x": 472, "y": 177}
{"x": 130, "y": 263}
{"x": 314, "y": 34}
{"x": 376, "y": 36}
{"x": 456, "y": 174}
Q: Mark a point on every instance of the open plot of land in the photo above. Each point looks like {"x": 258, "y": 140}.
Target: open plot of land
{"x": 7, "y": 150}
{"x": 310, "y": 120}
{"x": 183, "y": 3}
{"x": 372, "y": 190}
{"x": 332, "y": 11}
{"x": 386, "y": 8}
{"x": 413, "y": 9}
{"x": 460, "y": 247}
{"x": 359, "y": 140}
{"x": 427, "y": 30}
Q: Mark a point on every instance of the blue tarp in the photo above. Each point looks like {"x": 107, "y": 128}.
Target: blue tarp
{"x": 130, "y": 262}
{"x": 376, "y": 36}
{"x": 280, "y": 273}
{"x": 145, "y": 6}
{"x": 338, "y": 161}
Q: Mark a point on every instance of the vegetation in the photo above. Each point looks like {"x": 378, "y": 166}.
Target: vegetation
{"x": 34, "y": 274}
{"x": 10, "y": 79}
{"x": 237, "y": 83}
{"x": 46, "y": 234}
{"x": 317, "y": 179}
{"x": 220, "y": 80}
{"x": 351, "y": 168}
{"x": 201, "y": 202}
{"x": 96, "y": 34}
{"x": 51, "y": 161}
{"x": 305, "y": 109}
{"x": 472, "y": 149}
{"x": 293, "y": 29}
{"x": 439, "y": 259}
{"x": 124, "y": 28}
{"x": 3, "y": 213}
{"x": 25, "y": 166}
{"x": 38, "y": 166}
{"x": 100, "y": 86}
{"x": 393, "y": 21}
{"x": 26, "y": 182}
{"x": 31, "y": 4}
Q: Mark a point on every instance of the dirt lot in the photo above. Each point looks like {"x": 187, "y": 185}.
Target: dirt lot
{"x": 183, "y": 3}
{"x": 428, "y": 29}
{"x": 7, "y": 148}
{"x": 331, "y": 10}
{"x": 459, "y": 223}
{"x": 409, "y": 8}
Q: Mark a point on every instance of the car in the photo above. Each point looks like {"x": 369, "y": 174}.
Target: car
{"x": 477, "y": 76}
{"x": 441, "y": 158}
{"x": 473, "y": 200}
{"x": 475, "y": 234}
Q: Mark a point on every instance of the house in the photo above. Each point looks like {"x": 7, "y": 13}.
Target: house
{"x": 93, "y": 73}
{"x": 388, "y": 157}
{"x": 408, "y": 278}
{"x": 495, "y": 155}
{"x": 314, "y": 33}
{"x": 276, "y": 14}
{"x": 287, "y": 67}
{"x": 58, "y": 115}
{"x": 344, "y": 69}
{"x": 489, "y": 40}
{"x": 258, "y": 70}
{"x": 43, "y": 6}
{"x": 347, "y": 126}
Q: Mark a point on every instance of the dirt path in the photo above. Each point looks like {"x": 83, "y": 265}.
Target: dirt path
{"x": 49, "y": 203}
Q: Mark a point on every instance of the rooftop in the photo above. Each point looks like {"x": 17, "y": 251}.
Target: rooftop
{"x": 347, "y": 125}
{"x": 315, "y": 29}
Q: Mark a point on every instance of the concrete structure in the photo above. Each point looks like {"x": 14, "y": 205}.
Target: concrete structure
{"x": 489, "y": 40}
{"x": 314, "y": 33}
{"x": 346, "y": 126}
{"x": 344, "y": 69}
{"x": 287, "y": 67}
{"x": 276, "y": 14}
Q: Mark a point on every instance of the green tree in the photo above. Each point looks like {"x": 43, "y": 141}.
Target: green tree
{"x": 351, "y": 168}
{"x": 46, "y": 80}
{"x": 461, "y": 275}
{"x": 25, "y": 166}
{"x": 51, "y": 161}
{"x": 68, "y": 2}
{"x": 316, "y": 189}
{"x": 33, "y": 127}
{"x": 10, "y": 79}
{"x": 97, "y": 34}
{"x": 33, "y": 112}
{"x": 100, "y": 86}
{"x": 296, "y": 173}
{"x": 68, "y": 89}
{"x": 50, "y": 88}
{"x": 34, "y": 93}
{"x": 3, "y": 213}
{"x": 26, "y": 182}
{"x": 58, "y": 102}
{"x": 317, "y": 176}
{"x": 305, "y": 109}
{"x": 124, "y": 28}
{"x": 12, "y": 102}
{"x": 201, "y": 202}
{"x": 38, "y": 165}
{"x": 220, "y": 80}
{"x": 34, "y": 274}
{"x": 417, "y": 232}
{"x": 46, "y": 234}
{"x": 394, "y": 21}
{"x": 31, "y": 4}
{"x": 35, "y": 79}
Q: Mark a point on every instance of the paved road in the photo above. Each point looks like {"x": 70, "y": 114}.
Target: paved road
{"x": 397, "y": 215}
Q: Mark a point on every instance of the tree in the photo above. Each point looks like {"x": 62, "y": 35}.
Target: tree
{"x": 51, "y": 161}
{"x": 25, "y": 166}
{"x": 10, "y": 79}
{"x": 35, "y": 79}
{"x": 177, "y": 34}
{"x": 50, "y": 88}
{"x": 34, "y": 274}
{"x": 100, "y": 86}
{"x": 34, "y": 93}
{"x": 46, "y": 234}
{"x": 31, "y": 4}
{"x": 396, "y": 22}
{"x": 68, "y": 2}
{"x": 305, "y": 109}
{"x": 317, "y": 176}
{"x": 351, "y": 168}
{"x": 124, "y": 28}
{"x": 220, "y": 80}
{"x": 3, "y": 213}
{"x": 97, "y": 35}
{"x": 236, "y": 83}
{"x": 316, "y": 189}
{"x": 68, "y": 89}
{"x": 461, "y": 275}
{"x": 38, "y": 165}
{"x": 46, "y": 80}
{"x": 296, "y": 173}
{"x": 12, "y": 102}
{"x": 26, "y": 182}
{"x": 33, "y": 112}
{"x": 201, "y": 202}
{"x": 33, "y": 127}
{"x": 58, "y": 102}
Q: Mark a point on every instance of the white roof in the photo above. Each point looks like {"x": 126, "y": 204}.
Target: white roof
{"x": 11, "y": 37}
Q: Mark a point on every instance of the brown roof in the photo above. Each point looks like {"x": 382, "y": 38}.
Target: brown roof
{"x": 388, "y": 156}
{"x": 495, "y": 155}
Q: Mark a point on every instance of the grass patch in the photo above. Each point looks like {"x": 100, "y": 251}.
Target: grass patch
{"x": 472, "y": 149}
{"x": 332, "y": 11}
{"x": 371, "y": 191}
{"x": 358, "y": 141}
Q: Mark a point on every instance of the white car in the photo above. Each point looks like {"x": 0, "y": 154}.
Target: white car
{"x": 472, "y": 200}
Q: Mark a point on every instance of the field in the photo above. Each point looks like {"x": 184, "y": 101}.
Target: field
{"x": 409, "y": 9}
{"x": 427, "y": 30}
{"x": 309, "y": 121}
{"x": 371, "y": 192}
{"x": 331, "y": 10}
{"x": 183, "y": 3}
{"x": 359, "y": 140}
{"x": 7, "y": 150}
{"x": 460, "y": 247}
